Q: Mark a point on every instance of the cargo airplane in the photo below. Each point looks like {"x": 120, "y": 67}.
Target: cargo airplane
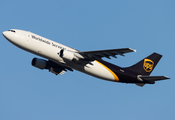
{"x": 61, "y": 58}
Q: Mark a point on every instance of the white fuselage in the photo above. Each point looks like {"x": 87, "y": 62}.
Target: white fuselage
{"x": 49, "y": 49}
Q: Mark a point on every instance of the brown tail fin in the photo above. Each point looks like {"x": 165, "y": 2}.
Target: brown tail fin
{"x": 146, "y": 66}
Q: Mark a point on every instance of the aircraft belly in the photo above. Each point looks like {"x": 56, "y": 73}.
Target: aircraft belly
{"x": 100, "y": 71}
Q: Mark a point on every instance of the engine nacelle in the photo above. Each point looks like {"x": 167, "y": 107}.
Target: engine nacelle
{"x": 68, "y": 55}
{"x": 39, "y": 63}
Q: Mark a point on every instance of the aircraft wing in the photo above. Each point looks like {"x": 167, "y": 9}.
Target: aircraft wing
{"x": 92, "y": 55}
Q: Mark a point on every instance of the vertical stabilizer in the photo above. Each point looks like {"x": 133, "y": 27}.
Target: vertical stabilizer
{"x": 146, "y": 66}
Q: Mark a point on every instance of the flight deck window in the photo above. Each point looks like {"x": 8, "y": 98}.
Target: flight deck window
{"x": 12, "y": 30}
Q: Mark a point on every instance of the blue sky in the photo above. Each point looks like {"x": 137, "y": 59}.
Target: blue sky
{"x": 28, "y": 93}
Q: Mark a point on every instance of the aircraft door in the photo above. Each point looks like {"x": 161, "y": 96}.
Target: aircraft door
{"x": 26, "y": 36}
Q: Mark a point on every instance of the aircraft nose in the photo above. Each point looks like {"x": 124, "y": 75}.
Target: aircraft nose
{"x": 4, "y": 33}
{"x": 8, "y": 35}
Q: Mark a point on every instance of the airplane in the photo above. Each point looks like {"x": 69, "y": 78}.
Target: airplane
{"x": 61, "y": 58}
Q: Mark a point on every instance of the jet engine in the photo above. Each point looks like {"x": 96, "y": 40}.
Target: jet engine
{"x": 51, "y": 66}
{"x": 39, "y": 63}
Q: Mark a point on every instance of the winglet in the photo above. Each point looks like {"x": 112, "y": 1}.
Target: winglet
{"x": 133, "y": 50}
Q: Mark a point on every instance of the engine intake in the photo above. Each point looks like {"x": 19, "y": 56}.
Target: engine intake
{"x": 39, "y": 63}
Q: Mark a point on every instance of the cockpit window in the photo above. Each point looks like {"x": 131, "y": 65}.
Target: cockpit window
{"x": 12, "y": 30}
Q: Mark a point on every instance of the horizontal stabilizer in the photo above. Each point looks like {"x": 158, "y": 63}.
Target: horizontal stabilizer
{"x": 153, "y": 78}
{"x": 150, "y": 79}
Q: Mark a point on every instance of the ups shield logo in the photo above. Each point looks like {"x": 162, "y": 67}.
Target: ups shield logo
{"x": 148, "y": 65}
